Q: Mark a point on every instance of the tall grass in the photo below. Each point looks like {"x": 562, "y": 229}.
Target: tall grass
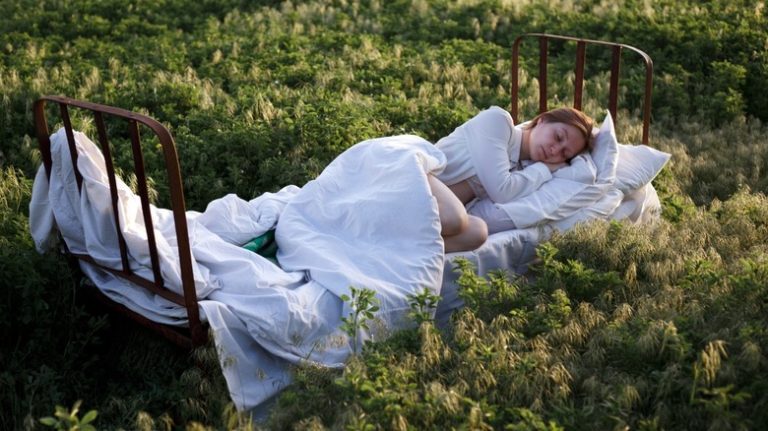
{"x": 623, "y": 327}
{"x": 652, "y": 327}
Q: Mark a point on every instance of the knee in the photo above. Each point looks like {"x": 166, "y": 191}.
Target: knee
{"x": 478, "y": 231}
{"x": 470, "y": 238}
{"x": 454, "y": 223}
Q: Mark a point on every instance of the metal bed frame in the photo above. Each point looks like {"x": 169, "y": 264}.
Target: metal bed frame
{"x": 196, "y": 333}
{"x": 578, "y": 90}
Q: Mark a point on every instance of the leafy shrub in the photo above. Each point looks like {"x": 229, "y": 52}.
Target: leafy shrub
{"x": 720, "y": 97}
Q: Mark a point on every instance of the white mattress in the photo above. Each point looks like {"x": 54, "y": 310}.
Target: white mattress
{"x": 514, "y": 250}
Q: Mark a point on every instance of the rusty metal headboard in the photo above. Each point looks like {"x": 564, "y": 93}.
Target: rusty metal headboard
{"x": 581, "y": 44}
{"x": 195, "y": 334}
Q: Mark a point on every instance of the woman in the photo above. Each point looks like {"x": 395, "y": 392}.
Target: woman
{"x": 490, "y": 157}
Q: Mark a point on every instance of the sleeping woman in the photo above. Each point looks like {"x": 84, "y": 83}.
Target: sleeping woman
{"x": 490, "y": 158}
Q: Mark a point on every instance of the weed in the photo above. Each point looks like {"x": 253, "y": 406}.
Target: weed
{"x": 64, "y": 420}
{"x": 363, "y": 304}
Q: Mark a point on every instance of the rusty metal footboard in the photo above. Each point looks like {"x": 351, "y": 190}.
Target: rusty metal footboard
{"x": 195, "y": 334}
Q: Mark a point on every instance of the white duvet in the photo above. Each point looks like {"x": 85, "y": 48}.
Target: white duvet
{"x": 368, "y": 221}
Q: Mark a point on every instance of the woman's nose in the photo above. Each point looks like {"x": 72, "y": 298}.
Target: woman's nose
{"x": 560, "y": 146}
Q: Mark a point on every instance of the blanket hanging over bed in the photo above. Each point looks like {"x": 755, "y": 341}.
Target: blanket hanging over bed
{"x": 368, "y": 221}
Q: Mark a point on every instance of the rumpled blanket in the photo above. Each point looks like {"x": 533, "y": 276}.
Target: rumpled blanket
{"x": 368, "y": 221}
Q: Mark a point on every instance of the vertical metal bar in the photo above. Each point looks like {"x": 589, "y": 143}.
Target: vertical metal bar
{"x": 514, "y": 109}
{"x": 543, "y": 60}
{"x": 104, "y": 141}
{"x": 41, "y": 130}
{"x": 613, "y": 97}
{"x": 578, "y": 85}
{"x": 647, "y": 101}
{"x": 197, "y": 331}
{"x": 71, "y": 142}
{"x": 141, "y": 182}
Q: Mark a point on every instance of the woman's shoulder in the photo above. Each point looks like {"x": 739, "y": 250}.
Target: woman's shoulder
{"x": 496, "y": 113}
{"x": 497, "y": 110}
{"x": 492, "y": 116}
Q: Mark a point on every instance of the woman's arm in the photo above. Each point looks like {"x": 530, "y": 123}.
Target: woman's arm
{"x": 489, "y": 137}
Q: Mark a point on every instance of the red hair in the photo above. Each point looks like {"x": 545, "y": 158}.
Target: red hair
{"x": 581, "y": 121}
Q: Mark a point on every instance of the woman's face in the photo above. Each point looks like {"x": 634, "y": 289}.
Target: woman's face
{"x": 555, "y": 142}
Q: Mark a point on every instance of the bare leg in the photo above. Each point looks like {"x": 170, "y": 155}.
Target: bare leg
{"x": 473, "y": 237}
{"x": 453, "y": 216}
{"x": 463, "y": 191}
{"x": 460, "y": 231}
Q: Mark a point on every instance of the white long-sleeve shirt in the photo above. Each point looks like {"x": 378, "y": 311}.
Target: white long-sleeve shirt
{"x": 488, "y": 147}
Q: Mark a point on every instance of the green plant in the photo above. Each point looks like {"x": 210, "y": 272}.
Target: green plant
{"x": 64, "y": 420}
{"x": 488, "y": 296}
{"x": 423, "y": 306}
{"x": 580, "y": 282}
{"x": 363, "y": 304}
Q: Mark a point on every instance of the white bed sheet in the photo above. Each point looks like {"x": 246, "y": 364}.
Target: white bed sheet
{"x": 515, "y": 249}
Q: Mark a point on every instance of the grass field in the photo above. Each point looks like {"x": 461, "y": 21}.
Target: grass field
{"x": 625, "y": 327}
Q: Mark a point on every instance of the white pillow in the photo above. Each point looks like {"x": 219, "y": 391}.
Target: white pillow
{"x": 605, "y": 152}
{"x": 638, "y": 165}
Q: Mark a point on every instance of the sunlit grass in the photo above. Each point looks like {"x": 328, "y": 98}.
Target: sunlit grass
{"x": 647, "y": 327}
